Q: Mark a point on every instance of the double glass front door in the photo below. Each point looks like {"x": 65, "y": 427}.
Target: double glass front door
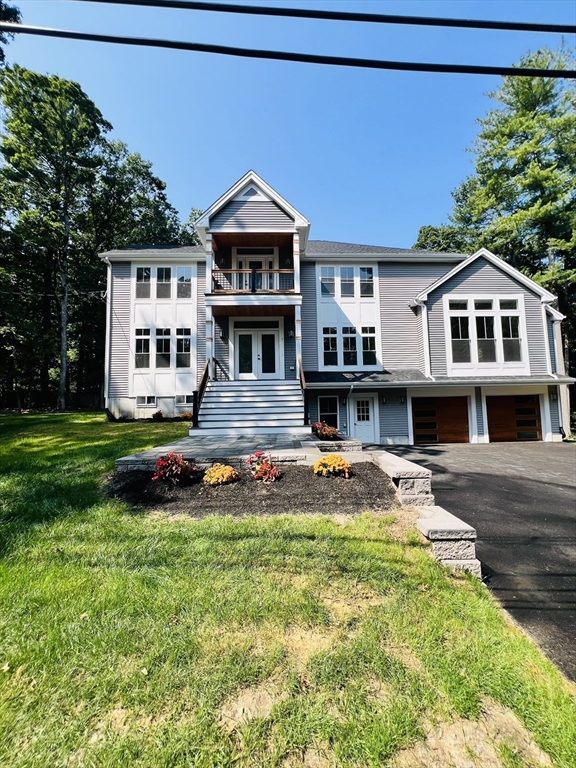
{"x": 257, "y": 355}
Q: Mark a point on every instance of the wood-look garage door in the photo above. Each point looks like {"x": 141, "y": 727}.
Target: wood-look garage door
{"x": 512, "y": 418}
{"x": 440, "y": 419}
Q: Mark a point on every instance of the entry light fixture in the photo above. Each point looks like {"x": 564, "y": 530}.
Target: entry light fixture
{"x": 291, "y": 334}
{"x": 401, "y": 398}
{"x": 343, "y": 401}
{"x": 553, "y": 396}
{"x": 383, "y": 400}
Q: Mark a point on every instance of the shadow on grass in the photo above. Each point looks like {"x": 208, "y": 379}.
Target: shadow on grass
{"x": 51, "y": 464}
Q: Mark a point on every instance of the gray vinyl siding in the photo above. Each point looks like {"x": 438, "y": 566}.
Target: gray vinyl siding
{"x": 479, "y": 413}
{"x": 252, "y": 214}
{"x": 119, "y": 330}
{"x": 222, "y": 348}
{"x": 313, "y": 411}
{"x": 289, "y": 349}
{"x": 393, "y": 414}
{"x": 201, "y": 321}
{"x": 484, "y": 278}
{"x": 309, "y": 317}
{"x": 554, "y": 409}
{"x": 402, "y": 345}
{"x": 553, "y": 362}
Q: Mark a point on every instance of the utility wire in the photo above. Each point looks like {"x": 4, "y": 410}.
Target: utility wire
{"x": 306, "y": 58}
{"x": 372, "y": 18}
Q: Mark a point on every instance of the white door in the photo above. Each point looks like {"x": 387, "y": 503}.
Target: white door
{"x": 364, "y": 419}
{"x": 257, "y": 355}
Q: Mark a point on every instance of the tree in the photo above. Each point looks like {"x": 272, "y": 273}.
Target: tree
{"x": 12, "y": 15}
{"x": 521, "y": 200}
{"x": 188, "y": 234}
{"x": 50, "y": 149}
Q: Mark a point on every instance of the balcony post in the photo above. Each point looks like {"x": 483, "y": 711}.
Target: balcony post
{"x": 298, "y": 336}
{"x": 296, "y": 261}
{"x": 209, "y": 264}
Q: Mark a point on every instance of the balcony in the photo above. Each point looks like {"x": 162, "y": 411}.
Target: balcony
{"x": 253, "y": 281}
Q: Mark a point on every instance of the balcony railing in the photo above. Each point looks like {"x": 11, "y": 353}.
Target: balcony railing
{"x": 253, "y": 280}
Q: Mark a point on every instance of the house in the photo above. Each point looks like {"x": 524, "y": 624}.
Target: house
{"x": 265, "y": 330}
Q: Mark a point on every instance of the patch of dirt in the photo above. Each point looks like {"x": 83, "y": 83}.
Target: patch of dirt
{"x": 249, "y": 704}
{"x": 299, "y": 491}
{"x": 345, "y": 602}
{"x": 405, "y": 656}
{"x": 116, "y": 720}
{"x": 301, "y": 644}
{"x": 378, "y": 691}
{"x": 310, "y": 758}
{"x": 474, "y": 744}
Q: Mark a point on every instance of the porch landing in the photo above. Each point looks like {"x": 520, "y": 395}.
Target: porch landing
{"x": 207, "y": 449}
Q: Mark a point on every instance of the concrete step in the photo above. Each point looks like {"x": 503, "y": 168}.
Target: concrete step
{"x": 253, "y": 430}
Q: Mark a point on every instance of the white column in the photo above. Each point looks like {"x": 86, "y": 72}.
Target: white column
{"x": 298, "y": 335}
{"x": 296, "y": 260}
{"x": 209, "y": 340}
{"x": 209, "y": 263}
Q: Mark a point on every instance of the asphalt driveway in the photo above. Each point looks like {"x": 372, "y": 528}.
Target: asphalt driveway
{"x": 521, "y": 498}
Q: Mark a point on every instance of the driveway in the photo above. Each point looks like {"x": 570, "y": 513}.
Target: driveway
{"x": 521, "y": 498}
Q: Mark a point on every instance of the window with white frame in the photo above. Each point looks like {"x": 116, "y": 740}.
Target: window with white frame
{"x": 163, "y": 348}
{"x": 143, "y": 282}
{"x": 184, "y": 283}
{"x": 163, "y": 282}
{"x": 327, "y": 281}
{"x": 328, "y": 410}
{"x": 366, "y": 282}
{"x": 347, "y": 282}
{"x": 143, "y": 401}
{"x": 369, "y": 345}
{"x": 142, "y": 348}
{"x": 182, "y": 400}
{"x": 330, "y": 346}
{"x": 349, "y": 346}
{"x": 486, "y": 332}
{"x": 183, "y": 347}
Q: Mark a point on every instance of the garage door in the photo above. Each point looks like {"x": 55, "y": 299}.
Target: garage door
{"x": 440, "y": 419}
{"x": 514, "y": 418}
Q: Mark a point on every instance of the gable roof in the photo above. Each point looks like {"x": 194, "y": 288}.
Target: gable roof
{"x": 332, "y": 248}
{"x": 545, "y": 296}
{"x": 301, "y": 223}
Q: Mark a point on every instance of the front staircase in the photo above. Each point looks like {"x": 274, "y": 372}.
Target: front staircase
{"x": 252, "y": 407}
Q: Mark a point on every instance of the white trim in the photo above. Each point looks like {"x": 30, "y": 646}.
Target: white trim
{"x": 410, "y": 417}
{"x": 486, "y": 436}
{"x": 554, "y": 312}
{"x": 542, "y": 391}
{"x": 475, "y": 368}
{"x": 547, "y": 343}
{"x": 426, "y": 341}
{"x": 232, "y": 348}
{"x": 253, "y": 300}
{"x": 153, "y": 257}
{"x": 337, "y": 407}
{"x": 496, "y": 261}
{"x": 108, "y": 332}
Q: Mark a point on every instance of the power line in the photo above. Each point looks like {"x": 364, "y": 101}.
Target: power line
{"x": 306, "y": 58}
{"x": 372, "y": 18}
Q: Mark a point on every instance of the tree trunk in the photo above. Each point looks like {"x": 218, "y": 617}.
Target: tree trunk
{"x": 61, "y": 405}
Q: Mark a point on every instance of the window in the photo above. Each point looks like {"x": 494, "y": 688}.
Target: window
{"x": 366, "y": 281}
{"x": 184, "y": 283}
{"x": 143, "y": 282}
{"x": 330, "y": 346}
{"x": 163, "y": 348}
{"x": 328, "y": 410}
{"x": 511, "y": 338}
{"x": 460, "y": 339}
{"x": 163, "y": 282}
{"x": 184, "y": 399}
{"x": 349, "y": 345}
{"x": 145, "y": 400}
{"x": 485, "y": 337}
{"x": 142, "y": 356}
{"x": 347, "y": 281}
{"x": 183, "y": 345}
{"x": 485, "y": 333}
{"x": 327, "y": 281}
{"x": 368, "y": 345}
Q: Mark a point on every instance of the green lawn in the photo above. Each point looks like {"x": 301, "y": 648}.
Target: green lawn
{"x": 134, "y": 640}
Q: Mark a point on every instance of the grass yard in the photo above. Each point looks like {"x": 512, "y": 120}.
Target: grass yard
{"x": 130, "y": 639}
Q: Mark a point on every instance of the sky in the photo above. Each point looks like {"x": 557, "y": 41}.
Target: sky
{"x": 367, "y": 156}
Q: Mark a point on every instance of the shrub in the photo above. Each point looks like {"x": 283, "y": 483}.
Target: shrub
{"x": 332, "y": 464}
{"x": 173, "y": 468}
{"x": 262, "y": 467}
{"x": 158, "y": 416}
{"x": 220, "y": 474}
{"x": 324, "y": 431}
{"x": 186, "y": 416}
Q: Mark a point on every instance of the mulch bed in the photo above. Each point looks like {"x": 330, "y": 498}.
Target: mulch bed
{"x": 298, "y": 491}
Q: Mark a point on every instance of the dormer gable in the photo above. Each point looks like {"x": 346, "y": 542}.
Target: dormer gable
{"x": 252, "y": 205}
